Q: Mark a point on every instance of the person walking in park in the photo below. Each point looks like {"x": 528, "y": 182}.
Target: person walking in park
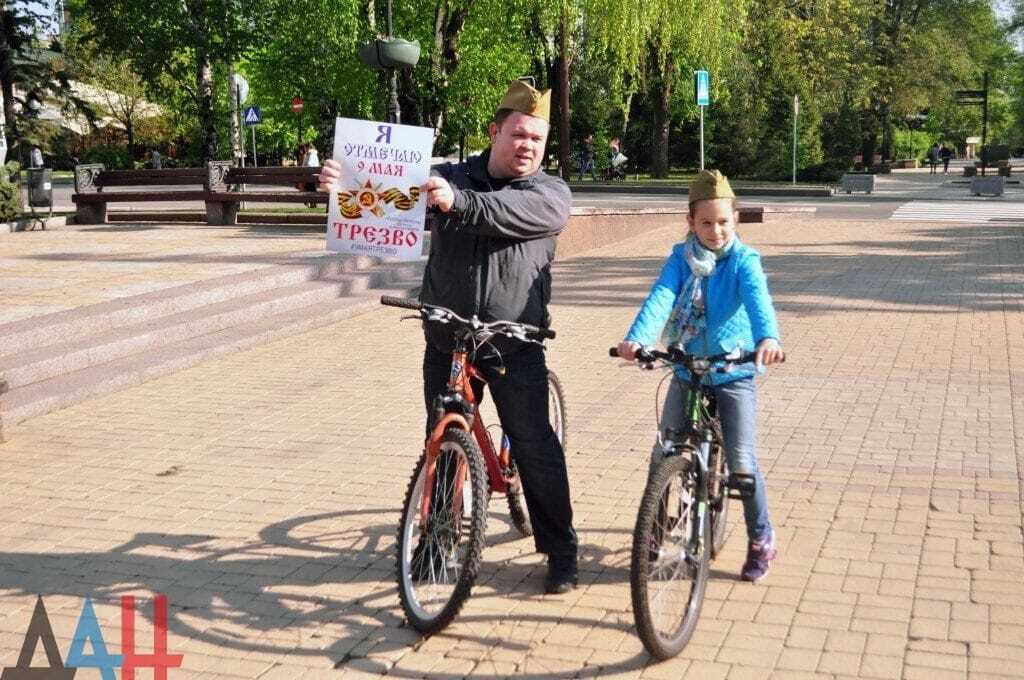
{"x": 945, "y": 153}
{"x": 491, "y": 248}
{"x": 712, "y": 298}
{"x": 933, "y": 158}
{"x": 587, "y": 158}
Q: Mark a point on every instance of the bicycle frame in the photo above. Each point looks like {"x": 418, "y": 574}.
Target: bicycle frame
{"x": 697, "y": 426}
{"x": 460, "y": 390}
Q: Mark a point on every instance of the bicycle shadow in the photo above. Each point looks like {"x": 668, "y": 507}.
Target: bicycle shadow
{"x": 316, "y": 587}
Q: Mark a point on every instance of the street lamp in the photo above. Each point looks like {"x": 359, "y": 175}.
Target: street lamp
{"x": 390, "y": 54}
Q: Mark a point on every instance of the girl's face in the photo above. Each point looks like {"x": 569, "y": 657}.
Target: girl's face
{"x": 713, "y": 221}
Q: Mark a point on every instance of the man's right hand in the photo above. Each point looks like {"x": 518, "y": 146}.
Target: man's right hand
{"x": 628, "y": 350}
{"x": 330, "y": 173}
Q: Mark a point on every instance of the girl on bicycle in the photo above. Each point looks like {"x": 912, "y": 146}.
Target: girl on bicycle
{"x": 712, "y": 298}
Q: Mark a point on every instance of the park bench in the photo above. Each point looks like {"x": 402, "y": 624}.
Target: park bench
{"x": 222, "y": 203}
{"x": 93, "y": 181}
{"x": 854, "y": 181}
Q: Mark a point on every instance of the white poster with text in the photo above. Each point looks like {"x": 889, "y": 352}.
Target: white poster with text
{"x": 376, "y": 207}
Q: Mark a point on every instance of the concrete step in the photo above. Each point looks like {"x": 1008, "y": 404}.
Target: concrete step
{"x": 40, "y": 331}
{"x": 64, "y": 373}
{"x": 52, "y": 360}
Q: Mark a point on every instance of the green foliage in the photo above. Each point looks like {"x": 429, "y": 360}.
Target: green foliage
{"x": 10, "y": 193}
{"x": 912, "y": 143}
{"x": 112, "y": 157}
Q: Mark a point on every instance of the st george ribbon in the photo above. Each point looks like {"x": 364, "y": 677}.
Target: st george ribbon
{"x": 376, "y": 208}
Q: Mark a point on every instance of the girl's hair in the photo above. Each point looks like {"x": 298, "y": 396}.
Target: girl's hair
{"x": 735, "y": 207}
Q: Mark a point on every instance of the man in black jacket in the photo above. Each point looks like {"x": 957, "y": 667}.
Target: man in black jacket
{"x": 492, "y": 244}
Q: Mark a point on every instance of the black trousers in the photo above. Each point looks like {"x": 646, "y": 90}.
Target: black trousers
{"x": 521, "y": 399}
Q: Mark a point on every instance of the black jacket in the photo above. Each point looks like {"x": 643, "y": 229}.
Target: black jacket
{"x": 491, "y": 254}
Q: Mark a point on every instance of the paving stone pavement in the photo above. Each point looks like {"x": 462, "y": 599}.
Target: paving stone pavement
{"x": 260, "y": 491}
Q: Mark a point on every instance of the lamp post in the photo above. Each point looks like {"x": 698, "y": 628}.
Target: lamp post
{"x": 390, "y": 54}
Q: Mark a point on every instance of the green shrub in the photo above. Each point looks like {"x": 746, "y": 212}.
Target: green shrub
{"x": 911, "y": 143}
{"x": 112, "y": 157}
{"x": 10, "y": 193}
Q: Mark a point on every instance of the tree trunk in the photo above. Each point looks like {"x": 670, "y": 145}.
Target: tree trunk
{"x": 564, "y": 141}
{"x": 204, "y": 90}
{"x": 869, "y": 139}
{"x": 444, "y": 58}
{"x": 9, "y": 114}
{"x": 662, "y": 121}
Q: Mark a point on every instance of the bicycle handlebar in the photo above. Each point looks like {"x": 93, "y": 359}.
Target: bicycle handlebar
{"x": 692, "y": 362}
{"x": 404, "y": 303}
{"x": 445, "y": 315}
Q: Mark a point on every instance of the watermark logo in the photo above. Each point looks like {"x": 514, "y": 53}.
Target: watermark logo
{"x": 88, "y": 630}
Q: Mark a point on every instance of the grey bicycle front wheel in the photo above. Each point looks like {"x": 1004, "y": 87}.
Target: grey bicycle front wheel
{"x": 671, "y": 557}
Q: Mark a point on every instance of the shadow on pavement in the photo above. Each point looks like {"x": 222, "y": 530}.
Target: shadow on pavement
{"x": 274, "y": 595}
{"x": 928, "y": 272}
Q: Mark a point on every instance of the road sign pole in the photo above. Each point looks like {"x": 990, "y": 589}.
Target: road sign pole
{"x": 701, "y": 137}
{"x": 796, "y": 112}
{"x": 238, "y": 111}
{"x": 254, "y": 163}
{"x": 984, "y": 125}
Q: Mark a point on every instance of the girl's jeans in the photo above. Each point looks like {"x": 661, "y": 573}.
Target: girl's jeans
{"x": 737, "y": 409}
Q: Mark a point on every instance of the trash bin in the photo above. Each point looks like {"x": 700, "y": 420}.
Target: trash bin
{"x": 40, "y": 188}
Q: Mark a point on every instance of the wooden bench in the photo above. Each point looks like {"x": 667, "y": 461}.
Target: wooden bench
{"x": 222, "y": 204}
{"x": 857, "y": 181}
{"x": 92, "y": 182}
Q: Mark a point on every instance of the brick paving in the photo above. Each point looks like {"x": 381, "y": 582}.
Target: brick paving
{"x": 260, "y": 491}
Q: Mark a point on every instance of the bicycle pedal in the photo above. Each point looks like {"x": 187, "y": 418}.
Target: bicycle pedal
{"x": 740, "y": 485}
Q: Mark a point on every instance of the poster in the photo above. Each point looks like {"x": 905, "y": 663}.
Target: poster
{"x": 376, "y": 208}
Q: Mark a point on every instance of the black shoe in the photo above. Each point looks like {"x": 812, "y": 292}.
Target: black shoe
{"x": 562, "y": 574}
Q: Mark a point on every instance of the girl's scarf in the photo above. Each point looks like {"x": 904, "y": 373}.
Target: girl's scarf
{"x": 688, "y": 319}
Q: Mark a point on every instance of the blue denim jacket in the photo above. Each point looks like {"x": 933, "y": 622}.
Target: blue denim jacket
{"x": 739, "y": 307}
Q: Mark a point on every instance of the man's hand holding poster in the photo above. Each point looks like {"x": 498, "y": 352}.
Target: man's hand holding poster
{"x": 376, "y": 208}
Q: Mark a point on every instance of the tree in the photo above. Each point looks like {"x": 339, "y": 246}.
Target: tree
{"x": 36, "y": 70}
{"x": 177, "y": 43}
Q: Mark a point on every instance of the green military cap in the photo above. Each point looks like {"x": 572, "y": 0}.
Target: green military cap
{"x": 710, "y": 184}
{"x": 521, "y": 97}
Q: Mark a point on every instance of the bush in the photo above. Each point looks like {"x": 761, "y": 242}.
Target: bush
{"x": 10, "y": 193}
{"x": 112, "y": 157}
{"x": 911, "y": 143}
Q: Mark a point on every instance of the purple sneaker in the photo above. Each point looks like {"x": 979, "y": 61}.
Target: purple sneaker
{"x": 759, "y": 559}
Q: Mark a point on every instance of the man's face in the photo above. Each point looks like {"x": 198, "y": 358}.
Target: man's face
{"x": 517, "y": 146}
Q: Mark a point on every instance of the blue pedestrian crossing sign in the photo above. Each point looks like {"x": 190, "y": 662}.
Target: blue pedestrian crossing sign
{"x": 252, "y": 115}
{"x": 702, "y": 87}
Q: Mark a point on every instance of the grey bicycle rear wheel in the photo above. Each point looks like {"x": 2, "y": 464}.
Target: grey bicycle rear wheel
{"x": 719, "y": 510}
{"x": 517, "y": 510}
{"x": 671, "y": 557}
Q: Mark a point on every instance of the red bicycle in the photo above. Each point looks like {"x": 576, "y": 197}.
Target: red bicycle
{"x": 444, "y": 516}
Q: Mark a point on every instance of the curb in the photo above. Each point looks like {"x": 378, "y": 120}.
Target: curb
{"x": 683, "y": 190}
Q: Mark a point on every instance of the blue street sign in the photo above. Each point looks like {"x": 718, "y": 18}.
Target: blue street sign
{"x": 252, "y": 115}
{"x": 702, "y": 87}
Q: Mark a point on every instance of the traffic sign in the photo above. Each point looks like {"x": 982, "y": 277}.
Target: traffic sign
{"x": 297, "y": 105}
{"x": 252, "y": 115}
{"x": 702, "y": 87}
{"x": 971, "y": 96}
{"x": 241, "y": 87}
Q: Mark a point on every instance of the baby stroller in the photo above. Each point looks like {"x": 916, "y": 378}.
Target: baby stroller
{"x": 616, "y": 169}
